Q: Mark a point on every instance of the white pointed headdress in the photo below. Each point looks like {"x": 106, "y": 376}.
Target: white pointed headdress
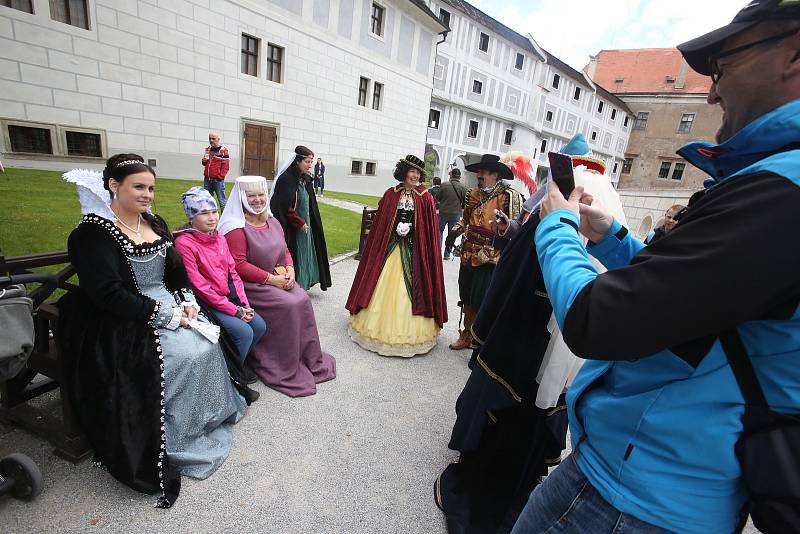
{"x": 94, "y": 198}
{"x": 233, "y": 215}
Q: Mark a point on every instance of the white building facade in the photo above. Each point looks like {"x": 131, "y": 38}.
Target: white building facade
{"x": 80, "y": 81}
{"x": 495, "y": 90}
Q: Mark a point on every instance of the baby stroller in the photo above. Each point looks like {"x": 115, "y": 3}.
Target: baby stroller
{"x": 19, "y": 475}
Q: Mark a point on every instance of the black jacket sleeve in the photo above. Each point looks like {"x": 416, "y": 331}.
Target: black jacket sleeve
{"x": 734, "y": 257}
{"x": 100, "y": 267}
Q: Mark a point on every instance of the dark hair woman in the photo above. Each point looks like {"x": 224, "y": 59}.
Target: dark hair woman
{"x": 294, "y": 204}
{"x": 397, "y": 301}
{"x": 145, "y": 373}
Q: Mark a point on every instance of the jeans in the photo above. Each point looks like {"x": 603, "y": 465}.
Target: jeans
{"x": 567, "y": 503}
{"x": 218, "y": 187}
{"x": 319, "y": 185}
{"x": 244, "y": 335}
{"x": 447, "y": 221}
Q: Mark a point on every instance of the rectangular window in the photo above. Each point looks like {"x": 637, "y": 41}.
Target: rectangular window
{"x": 433, "y": 118}
{"x": 577, "y": 95}
{"x": 594, "y": 136}
{"x": 625, "y": 122}
{"x": 376, "y": 19}
{"x": 250, "y": 55}
{"x": 363, "y": 90}
{"x": 548, "y": 116}
{"x": 677, "y": 172}
{"x": 477, "y": 86}
{"x": 444, "y": 17}
{"x": 508, "y": 137}
{"x": 616, "y": 165}
{"x": 274, "y": 62}
{"x": 600, "y": 106}
{"x": 370, "y": 168}
{"x": 520, "y": 61}
{"x": 473, "y": 129}
{"x": 27, "y": 139}
{"x": 663, "y": 172}
{"x": 483, "y": 43}
{"x": 377, "y": 93}
{"x": 543, "y": 148}
{"x": 355, "y": 167}
{"x": 556, "y": 81}
{"x": 614, "y": 115}
{"x": 641, "y": 120}
{"x": 627, "y": 164}
{"x": 20, "y": 5}
{"x": 84, "y": 144}
{"x": 685, "y": 126}
{"x": 72, "y": 12}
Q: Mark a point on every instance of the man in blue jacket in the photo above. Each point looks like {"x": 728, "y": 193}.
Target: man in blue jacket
{"x": 655, "y": 412}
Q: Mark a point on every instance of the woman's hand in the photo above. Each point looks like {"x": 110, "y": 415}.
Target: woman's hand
{"x": 289, "y": 277}
{"x": 190, "y": 312}
{"x": 595, "y": 219}
{"x": 248, "y": 314}
{"x": 184, "y": 320}
{"x": 278, "y": 280}
{"x": 305, "y": 228}
{"x": 556, "y": 201}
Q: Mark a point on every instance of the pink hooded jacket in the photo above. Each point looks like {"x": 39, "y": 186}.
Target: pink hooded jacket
{"x": 210, "y": 266}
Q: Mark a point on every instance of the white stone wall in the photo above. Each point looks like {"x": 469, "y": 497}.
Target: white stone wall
{"x": 569, "y": 116}
{"x": 504, "y": 104}
{"x": 156, "y": 75}
{"x": 645, "y": 209}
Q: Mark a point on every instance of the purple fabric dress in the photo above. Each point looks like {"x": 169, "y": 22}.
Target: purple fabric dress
{"x": 289, "y": 357}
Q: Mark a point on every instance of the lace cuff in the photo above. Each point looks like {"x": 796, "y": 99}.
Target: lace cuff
{"x": 169, "y": 317}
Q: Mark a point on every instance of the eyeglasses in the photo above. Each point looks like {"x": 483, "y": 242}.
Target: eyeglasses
{"x": 713, "y": 60}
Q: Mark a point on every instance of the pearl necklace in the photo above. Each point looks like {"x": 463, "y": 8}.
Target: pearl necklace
{"x": 138, "y": 225}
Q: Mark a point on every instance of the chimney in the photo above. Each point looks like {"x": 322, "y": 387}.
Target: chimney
{"x": 592, "y": 67}
{"x": 680, "y": 82}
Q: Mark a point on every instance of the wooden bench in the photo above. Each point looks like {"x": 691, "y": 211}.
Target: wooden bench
{"x": 45, "y": 360}
{"x": 367, "y": 218}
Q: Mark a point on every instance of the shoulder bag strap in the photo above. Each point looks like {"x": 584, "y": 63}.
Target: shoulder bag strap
{"x": 742, "y": 369}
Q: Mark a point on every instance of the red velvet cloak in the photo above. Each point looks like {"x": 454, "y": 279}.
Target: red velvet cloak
{"x": 427, "y": 282}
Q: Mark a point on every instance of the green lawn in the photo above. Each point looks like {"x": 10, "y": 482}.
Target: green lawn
{"x": 41, "y": 210}
{"x": 367, "y": 200}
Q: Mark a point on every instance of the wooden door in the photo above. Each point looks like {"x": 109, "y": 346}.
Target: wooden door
{"x": 259, "y": 150}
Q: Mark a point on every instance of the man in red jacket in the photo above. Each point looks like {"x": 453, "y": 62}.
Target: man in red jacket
{"x": 216, "y": 161}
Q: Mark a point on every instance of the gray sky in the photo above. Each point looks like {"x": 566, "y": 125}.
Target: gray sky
{"x": 573, "y": 29}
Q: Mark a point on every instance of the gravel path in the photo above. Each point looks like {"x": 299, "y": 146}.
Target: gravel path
{"x": 359, "y": 456}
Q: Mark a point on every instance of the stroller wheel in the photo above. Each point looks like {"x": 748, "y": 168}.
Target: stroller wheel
{"x": 25, "y": 474}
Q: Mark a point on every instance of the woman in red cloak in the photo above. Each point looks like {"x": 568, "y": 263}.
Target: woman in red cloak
{"x": 397, "y": 302}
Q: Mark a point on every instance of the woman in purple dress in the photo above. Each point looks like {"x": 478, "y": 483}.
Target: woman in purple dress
{"x": 291, "y": 360}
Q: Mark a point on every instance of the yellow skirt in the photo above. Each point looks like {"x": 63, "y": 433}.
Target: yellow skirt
{"x": 387, "y": 325}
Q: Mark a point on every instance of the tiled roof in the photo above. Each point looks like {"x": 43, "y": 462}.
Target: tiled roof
{"x": 647, "y": 70}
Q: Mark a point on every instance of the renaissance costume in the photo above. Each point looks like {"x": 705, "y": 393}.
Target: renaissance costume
{"x": 511, "y": 415}
{"x": 155, "y": 400}
{"x": 482, "y": 246}
{"x": 289, "y": 357}
{"x": 294, "y": 204}
{"x": 397, "y": 302}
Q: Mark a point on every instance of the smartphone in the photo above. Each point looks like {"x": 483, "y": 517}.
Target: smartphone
{"x": 561, "y": 170}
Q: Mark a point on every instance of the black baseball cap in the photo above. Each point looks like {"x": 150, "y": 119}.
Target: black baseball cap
{"x": 697, "y": 51}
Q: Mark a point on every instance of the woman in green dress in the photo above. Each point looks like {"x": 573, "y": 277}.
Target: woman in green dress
{"x": 294, "y": 204}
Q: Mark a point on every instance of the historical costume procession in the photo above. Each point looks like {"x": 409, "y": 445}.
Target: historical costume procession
{"x": 397, "y": 301}
{"x": 289, "y": 358}
{"x": 294, "y": 204}
{"x": 481, "y": 244}
{"x": 511, "y": 418}
{"x": 154, "y": 390}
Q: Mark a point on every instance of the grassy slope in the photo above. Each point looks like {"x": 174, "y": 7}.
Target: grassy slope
{"x": 41, "y": 210}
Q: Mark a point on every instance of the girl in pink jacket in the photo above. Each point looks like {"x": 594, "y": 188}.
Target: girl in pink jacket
{"x": 212, "y": 271}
